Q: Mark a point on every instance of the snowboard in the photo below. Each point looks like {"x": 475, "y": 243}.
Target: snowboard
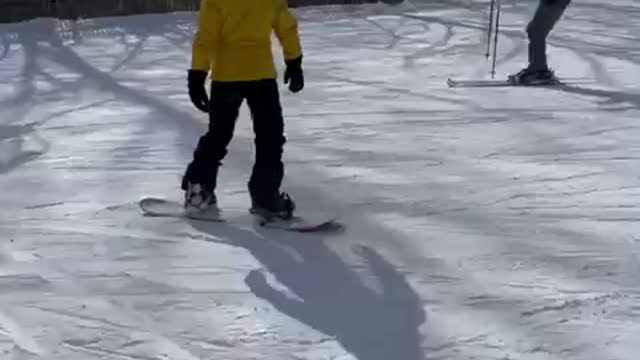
{"x": 495, "y": 83}
{"x": 160, "y": 207}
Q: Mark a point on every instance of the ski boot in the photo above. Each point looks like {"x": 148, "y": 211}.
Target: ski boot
{"x": 530, "y": 76}
{"x": 279, "y": 207}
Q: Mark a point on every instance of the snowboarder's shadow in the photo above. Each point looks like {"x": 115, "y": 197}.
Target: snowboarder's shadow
{"x": 374, "y": 322}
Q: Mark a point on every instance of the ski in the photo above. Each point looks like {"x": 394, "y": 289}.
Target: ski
{"x": 494, "y": 83}
{"x": 477, "y": 83}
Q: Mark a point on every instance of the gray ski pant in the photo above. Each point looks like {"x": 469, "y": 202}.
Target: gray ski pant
{"x": 545, "y": 18}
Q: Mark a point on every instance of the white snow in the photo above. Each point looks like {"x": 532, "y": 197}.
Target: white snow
{"x": 495, "y": 223}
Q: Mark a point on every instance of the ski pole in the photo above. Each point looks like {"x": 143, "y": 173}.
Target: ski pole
{"x": 495, "y": 41}
{"x": 489, "y": 30}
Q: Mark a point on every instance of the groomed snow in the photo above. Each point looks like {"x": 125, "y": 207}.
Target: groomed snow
{"x": 481, "y": 223}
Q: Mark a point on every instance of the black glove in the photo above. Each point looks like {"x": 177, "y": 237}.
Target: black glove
{"x": 197, "y": 90}
{"x": 293, "y": 73}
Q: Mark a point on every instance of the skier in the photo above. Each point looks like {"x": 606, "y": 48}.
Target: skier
{"x": 545, "y": 18}
{"x": 232, "y": 41}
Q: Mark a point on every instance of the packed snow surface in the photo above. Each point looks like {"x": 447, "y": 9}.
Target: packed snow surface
{"x": 480, "y": 223}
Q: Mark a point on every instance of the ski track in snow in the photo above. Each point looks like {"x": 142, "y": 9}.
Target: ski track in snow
{"x": 482, "y": 223}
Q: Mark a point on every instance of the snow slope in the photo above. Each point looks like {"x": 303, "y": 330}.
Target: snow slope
{"x": 496, "y": 223}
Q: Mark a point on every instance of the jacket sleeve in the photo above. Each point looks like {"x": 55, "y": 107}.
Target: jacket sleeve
{"x": 286, "y": 29}
{"x": 206, "y": 36}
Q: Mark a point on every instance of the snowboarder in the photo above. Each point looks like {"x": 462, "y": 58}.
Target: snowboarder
{"x": 233, "y": 42}
{"x": 538, "y": 29}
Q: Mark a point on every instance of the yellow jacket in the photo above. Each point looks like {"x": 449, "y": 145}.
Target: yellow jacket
{"x": 233, "y": 39}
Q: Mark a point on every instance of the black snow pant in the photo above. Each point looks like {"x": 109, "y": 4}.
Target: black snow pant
{"x": 263, "y": 100}
{"x": 545, "y": 18}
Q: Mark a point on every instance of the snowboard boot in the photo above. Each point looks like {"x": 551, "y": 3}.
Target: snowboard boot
{"x": 199, "y": 188}
{"x": 199, "y": 198}
{"x": 278, "y": 207}
{"x": 530, "y": 76}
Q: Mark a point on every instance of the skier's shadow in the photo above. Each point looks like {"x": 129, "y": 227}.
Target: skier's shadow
{"x": 376, "y": 322}
{"x": 610, "y": 97}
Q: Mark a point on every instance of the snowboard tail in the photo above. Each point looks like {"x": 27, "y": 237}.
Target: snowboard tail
{"x": 159, "y": 207}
